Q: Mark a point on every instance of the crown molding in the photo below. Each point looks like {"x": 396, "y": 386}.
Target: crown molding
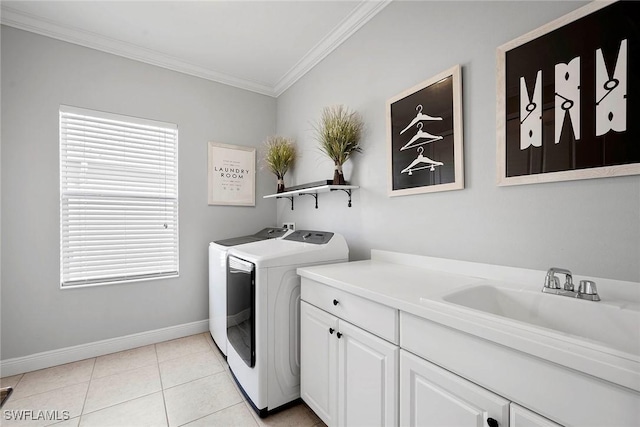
{"x": 352, "y": 23}
{"x": 366, "y": 10}
{"x": 34, "y": 24}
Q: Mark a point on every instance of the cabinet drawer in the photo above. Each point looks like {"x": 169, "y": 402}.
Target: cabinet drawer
{"x": 376, "y": 318}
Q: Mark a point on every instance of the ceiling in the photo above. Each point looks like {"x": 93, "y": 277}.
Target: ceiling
{"x": 262, "y": 46}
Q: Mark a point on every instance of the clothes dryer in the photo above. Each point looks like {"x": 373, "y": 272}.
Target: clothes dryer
{"x": 263, "y": 327}
{"x": 218, "y": 280}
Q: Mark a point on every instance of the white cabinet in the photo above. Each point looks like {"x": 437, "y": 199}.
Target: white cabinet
{"x": 348, "y": 376}
{"x": 367, "y": 378}
{"x": 318, "y": 362}
{"x": 456, "y": 366}
{"x": 522, "y": 417}
{"x": 432, "y": 396}
{"x": 520, "y": 377}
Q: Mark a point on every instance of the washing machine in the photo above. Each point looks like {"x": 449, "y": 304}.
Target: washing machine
{"x": 218, "y": 280}
{"x": 263, "y": 312}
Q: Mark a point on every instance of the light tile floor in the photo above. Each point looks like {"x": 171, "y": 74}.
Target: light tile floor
{"x": 183, "y": 382}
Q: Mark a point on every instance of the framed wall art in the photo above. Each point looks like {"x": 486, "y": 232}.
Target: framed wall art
{"x": 568, "y": 98}
{"x": 232, "y": 175}
{"x": 424, "y": 132}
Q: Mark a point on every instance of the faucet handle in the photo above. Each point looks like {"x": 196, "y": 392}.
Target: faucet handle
{"x": 551, "y": 282}
{"x": 587, "y": 290}
{"x": 587, "y": 287}
{"x": 568, "y": 284}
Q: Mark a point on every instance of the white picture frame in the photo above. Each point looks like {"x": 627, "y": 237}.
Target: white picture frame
{"x": 231, "y": 175}
{"x": 430, "y": 159}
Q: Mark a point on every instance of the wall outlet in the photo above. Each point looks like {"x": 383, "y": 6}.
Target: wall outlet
{"x": 289, "y": 225}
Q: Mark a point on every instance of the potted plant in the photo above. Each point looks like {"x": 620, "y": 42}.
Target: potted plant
{"x": 280, "y": 156}
{"x": 339, "y": 134}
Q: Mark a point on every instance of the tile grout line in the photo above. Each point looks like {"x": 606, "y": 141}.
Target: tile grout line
{"x": 164, "y": 399}
{"x": 59, "y": 388}
{"x": 24, "y": 374}
{"x": 121, "y": 403}
{"x": 124, "y": 371}
{"x": 82, "y": 414}
{"x": 19, "y": 380}
{"x": 229, "y": 375}
{"x": 162, "y": 389}
{"x": 185, "y": 355}
{"x": 86, "y": 394}
{"x": 128, "y": 400}
{"x": 224, "y": 371}
{"x": 194, "y": 380}
{"x": 215, "y": 412}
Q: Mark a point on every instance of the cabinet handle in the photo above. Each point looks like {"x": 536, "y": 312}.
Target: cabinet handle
{"x": 338, "y": 335}
{"x": 331, "y": 330}
{"x": 335, "y": 302}
{"x": 491, "y": 422}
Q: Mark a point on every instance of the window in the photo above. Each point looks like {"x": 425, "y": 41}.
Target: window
{"x": 118, "y": 198}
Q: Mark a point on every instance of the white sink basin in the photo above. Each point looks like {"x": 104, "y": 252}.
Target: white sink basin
{"x": 612, "y": 326}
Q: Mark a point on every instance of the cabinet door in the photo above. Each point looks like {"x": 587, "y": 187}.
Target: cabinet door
{"x": 318, "y": 359}
{"x": 522, "y": 417}
{"x": 432, "y": 396}
{"x": 367, "y": 378}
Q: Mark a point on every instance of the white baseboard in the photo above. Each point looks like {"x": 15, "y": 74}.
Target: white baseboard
{"x": 46, "y": 359}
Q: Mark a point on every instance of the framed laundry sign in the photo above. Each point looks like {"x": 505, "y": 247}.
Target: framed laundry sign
{"x": 232, "y": 175}
{"x": 568, "y": 98}
{"x": 424, "y": 133}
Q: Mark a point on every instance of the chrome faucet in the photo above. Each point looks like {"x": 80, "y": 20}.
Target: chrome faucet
{"x": 586, "y": 289}
{"x": 552, "y": 282}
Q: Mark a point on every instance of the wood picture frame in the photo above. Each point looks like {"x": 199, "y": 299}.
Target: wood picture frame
{"x": 567, "y": 95}
{"x": 231, "y": 175}
{"x": 424, "y": 136}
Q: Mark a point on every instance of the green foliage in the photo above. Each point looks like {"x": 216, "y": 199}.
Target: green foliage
{"x": 339, "y": 133}
{"x": 280, "y": 155}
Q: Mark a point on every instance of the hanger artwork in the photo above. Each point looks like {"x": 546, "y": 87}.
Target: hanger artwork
{"x": 421, "y": 162}
{"x": 420, "y": 134}
{"x": 424, "y": 130}
{"x": 418, "y": 118}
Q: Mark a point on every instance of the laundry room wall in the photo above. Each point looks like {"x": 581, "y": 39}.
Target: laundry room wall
{"x": 590, "y": 226}
{"x": 39, "y": 74}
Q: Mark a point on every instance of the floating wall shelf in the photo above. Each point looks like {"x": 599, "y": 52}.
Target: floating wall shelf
{"x": 313, "y": 191}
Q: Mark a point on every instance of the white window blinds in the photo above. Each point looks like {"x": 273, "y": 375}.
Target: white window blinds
{"x": 118, "y": 198}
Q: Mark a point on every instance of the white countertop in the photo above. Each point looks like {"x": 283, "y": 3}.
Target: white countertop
{"x": 415, "y": 285}
{"x": 398, "y": 286}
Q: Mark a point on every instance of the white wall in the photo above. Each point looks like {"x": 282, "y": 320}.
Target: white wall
{"x": 39, "y": 74}
{"x": 591, "y": 227}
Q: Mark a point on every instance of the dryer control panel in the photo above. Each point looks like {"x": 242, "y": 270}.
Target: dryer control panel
{"x": 310, "y": 236}
{"x": 264, "y": 234}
